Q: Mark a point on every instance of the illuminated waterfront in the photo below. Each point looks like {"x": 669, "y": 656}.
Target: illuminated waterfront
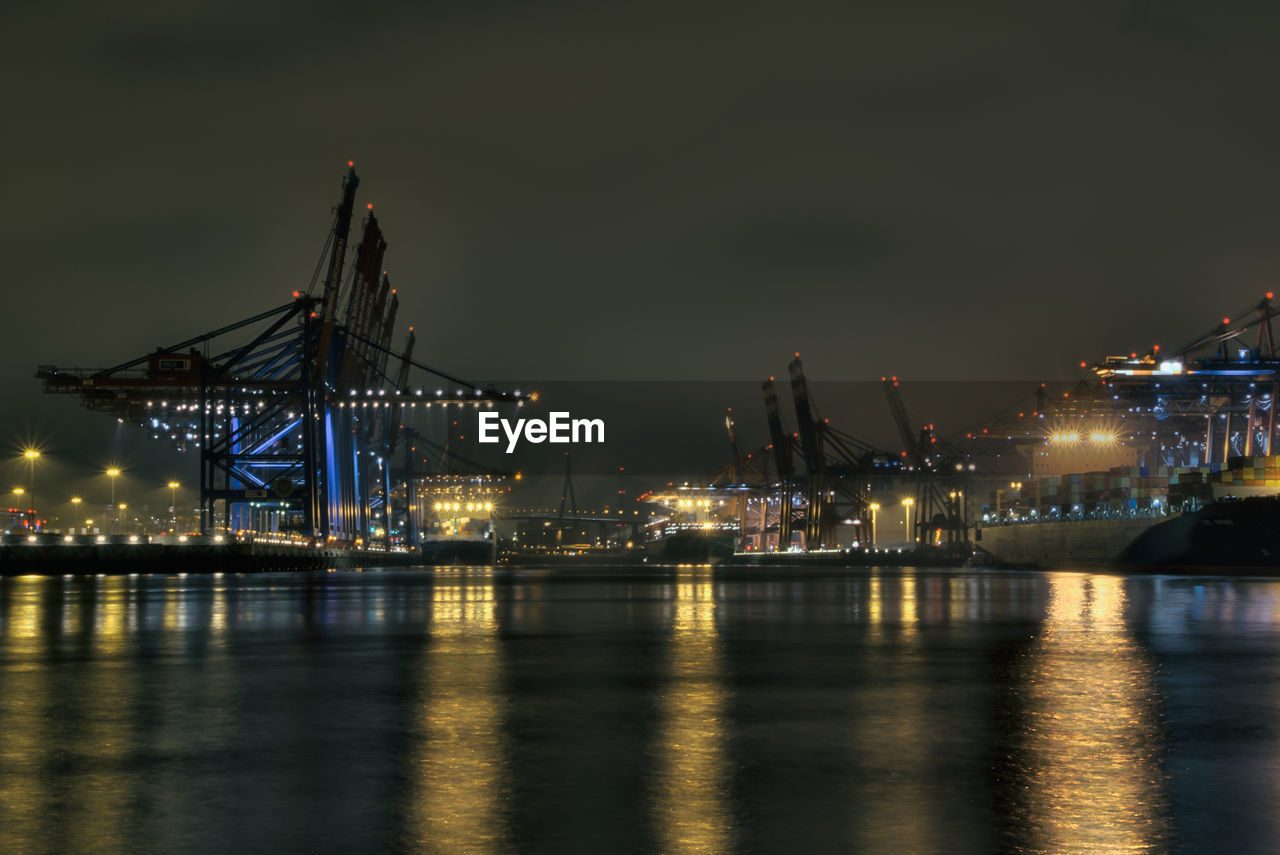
{"x": 677, "y": 710}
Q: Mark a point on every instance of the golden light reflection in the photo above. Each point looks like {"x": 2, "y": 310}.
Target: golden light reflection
{"x": 1092, "y": 781}
{"x": 112, "y": 609}
{"x": 84, "y": 808}
{"x": 27, "y": 798}
{"x": 458, "y": 806}
{"x": 957, "y": 600}
{"x": 690, "y": 805}
{"x": 22, "y": 623}
{"x": 100, "y": 814}
{"x": 892, "y": 600}
{"x": 910, "y": 606}
{"x": 70, "y": 620}
{"x": 218, "y": 615}
{"x": 875, "y": 600}
{"x": 893, "y": 730}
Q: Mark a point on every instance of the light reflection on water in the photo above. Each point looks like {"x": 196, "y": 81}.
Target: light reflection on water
{"x": 456, "y": 804}
{"x": 674, "y": 710}
{"x": 1092, "y": 780}
{"x": 895, "y": 742}
{"x": 691, "y": 804}
{"x": 25, "y": 795}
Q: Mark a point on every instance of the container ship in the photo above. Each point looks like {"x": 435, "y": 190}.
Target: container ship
{"x": 1192, "y": 433}
{"x": 1070, "y": 478}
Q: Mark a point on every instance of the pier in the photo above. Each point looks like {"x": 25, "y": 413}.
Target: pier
{"x": 48, "y": 554}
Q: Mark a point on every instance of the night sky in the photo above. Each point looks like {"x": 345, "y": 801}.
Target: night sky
{"x": 642, "y": 191}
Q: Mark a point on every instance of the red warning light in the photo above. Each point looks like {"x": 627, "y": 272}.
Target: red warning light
{"x": 1156, "y": 348}
{"x": 351, "y": 163}
{"x": 1082, "y": 365}
{"x": 369, "y": 206}
{"x": 797, "y": 354}
{"x": 1270, "y": 294}
{"x": 1226, "y": 320}
{"x": 297, "y": 294}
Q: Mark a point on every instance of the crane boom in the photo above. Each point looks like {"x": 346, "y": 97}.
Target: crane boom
{"x": 333, "y": 279}
{"x": 910, "y": 442}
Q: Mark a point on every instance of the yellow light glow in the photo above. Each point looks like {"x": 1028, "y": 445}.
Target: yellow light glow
{"x": 113, "y": 472}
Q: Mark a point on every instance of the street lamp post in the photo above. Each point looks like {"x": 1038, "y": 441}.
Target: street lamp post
{"x": 906, "y": 519}
{"x": 113, "y": 473}
{"x": 31, "y": 454}
{"x": 19, "y": 492}
{"x": 875, "y": 533}
{"x": 75, "y": 503}
{"x": 959, "y": 512}
{"x": 173, "y": 504}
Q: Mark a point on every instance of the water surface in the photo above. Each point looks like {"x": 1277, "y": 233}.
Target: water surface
{"x": 674, "y": 710}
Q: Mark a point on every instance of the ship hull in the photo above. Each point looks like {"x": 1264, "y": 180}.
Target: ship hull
{"x": 1239, "y": 537}
{"x": 1227, "y": 537}
{"x": 690, "y": 548}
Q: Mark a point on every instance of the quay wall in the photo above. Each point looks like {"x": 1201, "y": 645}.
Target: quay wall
{"x": 56, "y": 555}
{"x": 1083, "y": 543}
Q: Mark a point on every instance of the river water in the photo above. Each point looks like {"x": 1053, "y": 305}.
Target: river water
{"x": 677, "y": 710}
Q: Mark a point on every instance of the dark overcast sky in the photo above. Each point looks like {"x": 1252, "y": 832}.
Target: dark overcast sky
{"x": 647, "y": 190}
